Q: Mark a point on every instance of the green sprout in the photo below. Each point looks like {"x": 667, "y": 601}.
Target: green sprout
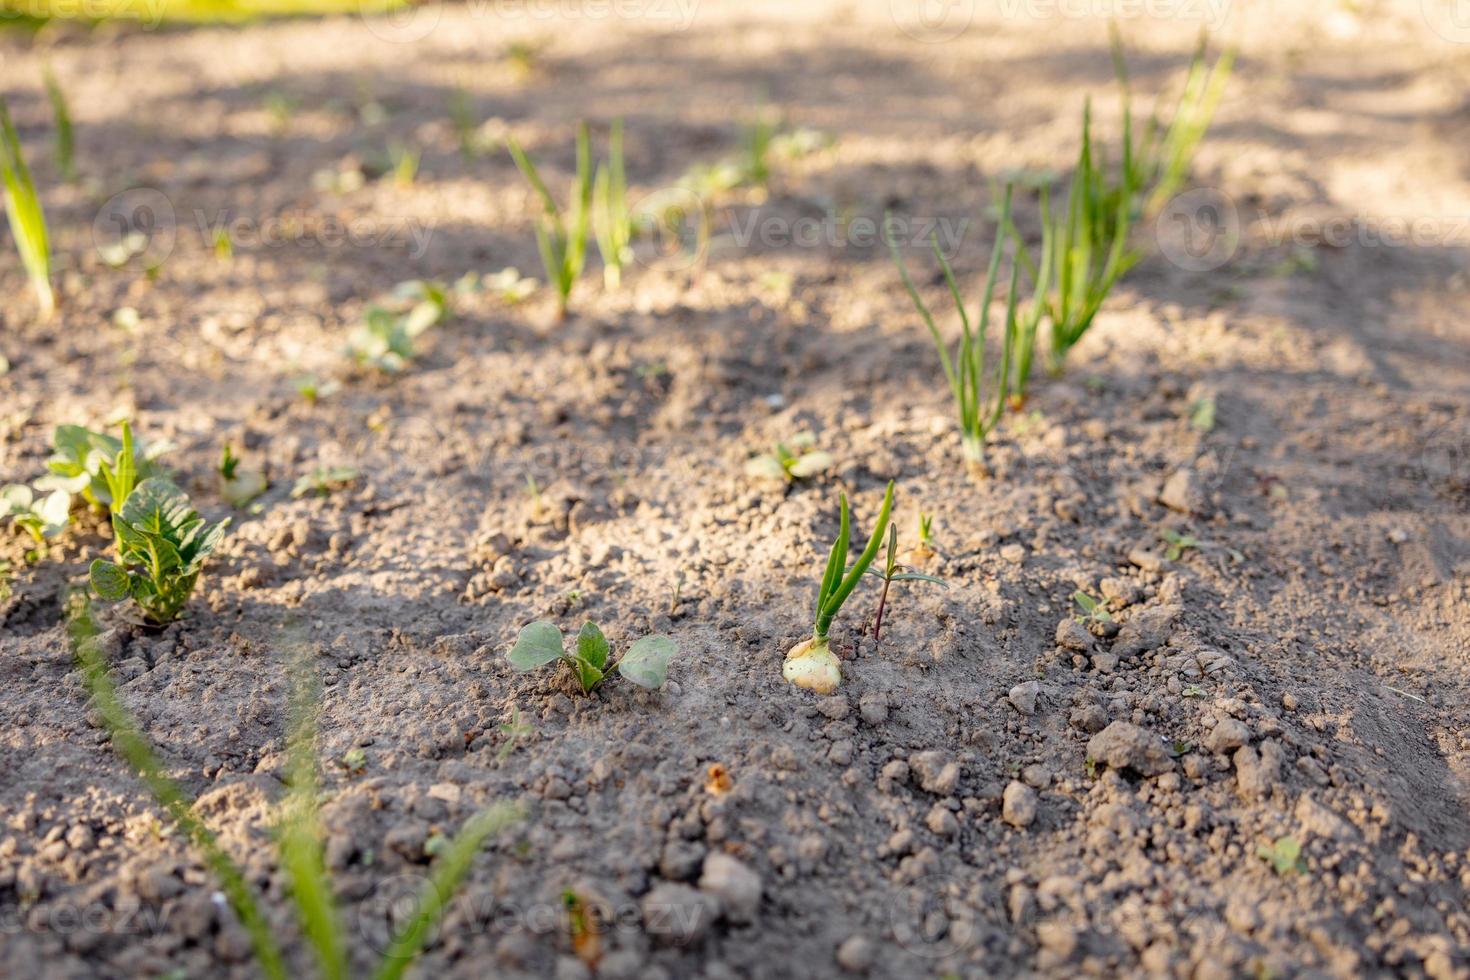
{"x": 466, "y": 128}
{"x": 1202, "y": 415}
{"x": 612, "y": 222}
{"x": 645, "y": 662}
{"x": 1178, "y": 543}
{"x": 320, "y": 482}
{"x": 223, "y": 245}
{"x": 404, "y": 163}
{"x": 238, "y": 487}
{"x": 61, "y": 116}
{"x": 513, "y": 730}
{"x": 1093, "y": 611}
{"x": 1283, "y": 854}
{"x": 894, "y": 572}
{"x": 299, "y": 833}
{"x": 5, "y": 575}
{"x": 510, "y": 286}
{"x": 43, "y": 518}
{"x": 784, "y": 463}
{"x": 313, "y": 388}
{"x": 811, "y": 663}
{"x": 81, "y": 459}
{"x": 385, "y": 338}
{"x": 979, "y": 391}
{"x": 27, "y": 219}
{"x": 561, "y": 239}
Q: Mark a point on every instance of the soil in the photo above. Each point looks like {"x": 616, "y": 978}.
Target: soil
{"x": 993, "y": 790}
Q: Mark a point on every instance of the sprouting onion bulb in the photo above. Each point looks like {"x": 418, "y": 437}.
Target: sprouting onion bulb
{"x": 811, "y": 663}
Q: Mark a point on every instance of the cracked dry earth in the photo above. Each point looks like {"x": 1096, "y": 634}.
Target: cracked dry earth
{"x": 996, "y": 789}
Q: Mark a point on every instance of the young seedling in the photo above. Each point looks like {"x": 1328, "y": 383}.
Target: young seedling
{"x": 43, "y": 518}
{"x": 238, "y": 487}
{"x": 1029, "y": 325}
{"x": 1202, "y": 415}
{"x": 313, "y": 388}
{"x": 612, "y": 222}
{"x": 61, "y": 116}
{"x": 513, "y": 730}
{"x": 403, "y": 163}
{"x": 510, "y": 286}
{"x": 894, "y": 572}
{"x": 162, "y": 544}
{"x": 979, "y": 391}
{"x": 385, "y": 338}
{"x": 784, "y": 463}
{"x": 5, "y": 573}
{"x": 321, "y": 481}
{"x": 81, "y": 458}
{"x": 811, "y": 663}
{"x": 1088, "y": 243}
{"x": 561, "y": 239}
{"x": 299, "y": 835}
{"x": 23, "y": 209}
{"x": 1283, "y": 854}
{"x": 1093, "y": 611}
{"x": 462, "y": 117}
{"x": 920, "y": 553}
{"x": 645, "y": 663}
{"x": 1178, "y": 543}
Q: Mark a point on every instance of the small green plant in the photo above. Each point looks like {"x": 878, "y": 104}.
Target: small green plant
{"x": 788, "y": 462}
{"x": 524, "y": 56}
{"x": 1283, "y": 854}
{"x": 510, "y": 286}
{"x": 466, "y": 127}
{"x": 61, "y": 117}
{"x": 403, "y": 161}
{"x": 23, "y": 209}
{"x": 43, "y": 518}
{"x": 1202, "y": 415}
{"x": 162, "y": 544}
{"x": 513, "y": 730}
{"x": 238, "y": 487}
{"x": 223, "y": 245}
{"x": 354, "y": 762}
{"x": 979, "y": 390}
{"x": 645, "y": 663}
{"x": 385, "y": 338}
{"x": 612, "y": 222}
{"x": 811, "y": 663}
{"x": 1088, "y": 242}
{"x": 892, "y": 572}
{"x": 1177, "y": 543}
{"x": 321, "y": 481}
{"x": 1093, "y": 611}
{"x": 561, "y": 239}
{"x": 81, "y": 458}
{"x": 313, "y": 388}
{"x": 298, "y": 833}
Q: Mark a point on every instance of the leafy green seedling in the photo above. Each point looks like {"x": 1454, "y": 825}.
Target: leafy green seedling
{"x": 162, "y": 544}
{"x": 323, "y": 480}
{"x": 645, "y": 663}
{"x": 811, "y": 663}
{"x": 313, "y": 388}
{"x": 1092, "y": 610}
{"x": 510, "y": 286}
{"x": 43, "y": 518}
{"x": 561, "y": 239}
{"x": 1283, "y": 854}
{"x": 1178, "y": 543}
{"x": 513, "y": 730}
{"x": 65, "y": 137}
{"x": 466, "y": 128}
{"x": 23, "y": 209}
{"x": 979, "y": 391}
{"x": 80, "y": 458}
{"x": 354, "y": 761}
{"x": 238, "y": 487}
{"x": 894, "y": 572}
{"x": 784, "y": 463}
{"x": 612, "y": 222}
{"x": 523, "y": 56}
{"x": 223, "y": 245}
{"x": 1202, "y": 415}
{"x": 385, "y": 338}
{"x": 403, "y": 162}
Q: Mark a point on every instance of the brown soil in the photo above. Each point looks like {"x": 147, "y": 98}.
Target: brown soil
{"x": 955, "y": 808}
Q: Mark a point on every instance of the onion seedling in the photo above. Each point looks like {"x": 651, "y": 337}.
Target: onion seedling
{"x": 979, "y": 392}
{"x": 811, "y": 663}
{"x": 162, "y": 544}
{"x": 782, "y": 463}
{"x": 894, "y": 572}
{"x": 645, "y": 663}
{"x": 561, "y": 239}
{"x": 27, "y": 219}
{"x": 612, "y": 222}
{"x": 61, "y": 116}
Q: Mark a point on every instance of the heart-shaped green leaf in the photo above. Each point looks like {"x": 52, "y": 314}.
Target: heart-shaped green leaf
{"x": 538, "y": 644}
{"x": 108, "y": 580}
{"x": 647, "y": 662}
{"x": 592, "y": 645}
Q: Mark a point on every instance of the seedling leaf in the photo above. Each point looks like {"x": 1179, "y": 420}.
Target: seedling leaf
{"x": 538, "y": 644}
{"x": 591, "y": 645}
{"x": 109, "y": 580}
{"x": 647, "y": 661}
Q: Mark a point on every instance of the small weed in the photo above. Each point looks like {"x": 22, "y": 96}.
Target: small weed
{"x": 238, "y": 487}
{"x": 321, "y": 481}
{"x": 894, "y": 572}
{"x": 1202, "y": 415}
{"x": 354, "y": 761}
{"x": 385, "y": 338}
{"x": 313, "y": 388}
{"x": 1093, "y": 611}
{"x": 510, "y": 286}
{"x": 223, "y": 245}
{"x": 403, "y": 163}
{"x": 43, "y": 518}
{"x": 466, "y": 126}
{"x": 1178, "y": 543}
{"x": 645, "y": 663}
{"x": 1284, "y": 855}
{"x": 612, "y": 222}
{"x": 513, "y": 730}
{"x": 784, "y": 463}
{"x": 81, "y": 458}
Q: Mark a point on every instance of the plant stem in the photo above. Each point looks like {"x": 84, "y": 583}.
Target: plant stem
{"x": 882, "y": 601}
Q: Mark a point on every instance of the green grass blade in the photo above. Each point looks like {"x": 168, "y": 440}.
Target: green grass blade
{"x": 61, "y": 116}
{"x": 449, "y": 872}
{"x": 23, "y": 209}
{"x": 854, "y": 575}
{"x": 945, "y": 361}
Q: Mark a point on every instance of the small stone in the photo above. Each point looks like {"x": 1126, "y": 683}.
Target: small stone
{"x": 1126, "y": 746}
{"x": 1146, "y": 559}
{"x": 942, "y": 821}
{"x": 1089, "y": 718}
{"x": 1036, "y": 776}
{"x": 1018, "y": 805}
{"x": 1289, "y": 701}
{"x": 1257, "y": 773}
{"x": 737, "y": 887}
{"x": 1013, "y": 553}
{"x": 856, "y": 954}
{"x": 1145, "y": 630}
{"x": 680, "y": 860}
{"x": 1104, "y": 663}
{"x": 1228, "y": 736}
{"x": 158, "y": 883}
{"x": 1057, "y": 938}
{"x": 1119, "y": 591}
{"x": 874, "y": 708}
{"x": 893, "y": 775}
{"x": 1317, "y": 818}
{"x": 676, "y": 915}
{"x": 1072, "y": 635}
{"x": 1023, "y": 697}
{"x": 834, "y": 707}
{"x": 937, "y": 774}
{"x": 1180, "y": 492}
{"x": 80, "y": 838}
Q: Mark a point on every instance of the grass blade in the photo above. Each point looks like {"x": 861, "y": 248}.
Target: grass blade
{"x": 23, "y": 209}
